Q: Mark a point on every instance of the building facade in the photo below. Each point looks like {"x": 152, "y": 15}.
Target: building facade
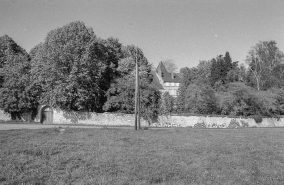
{"x": 167, "y": 81}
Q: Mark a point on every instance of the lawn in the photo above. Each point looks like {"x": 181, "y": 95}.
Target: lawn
{"x": 157, "y": 156}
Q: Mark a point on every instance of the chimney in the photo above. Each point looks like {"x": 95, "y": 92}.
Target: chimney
{"x": 173, "y": 75}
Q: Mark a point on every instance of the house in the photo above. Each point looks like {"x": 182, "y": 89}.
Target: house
{"x": 166, "y": 81}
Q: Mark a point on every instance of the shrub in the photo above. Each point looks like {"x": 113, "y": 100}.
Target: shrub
{"x": 234, "y": 124}
{"x": 200, "y": 125}
{"x": 257, "y": 118}
{"x": 244, "y": 124}
{"x": 214, "y": 125}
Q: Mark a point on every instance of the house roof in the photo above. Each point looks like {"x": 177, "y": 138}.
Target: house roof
{"x": 167, "y": 76}
{"x": 156, "y": 81}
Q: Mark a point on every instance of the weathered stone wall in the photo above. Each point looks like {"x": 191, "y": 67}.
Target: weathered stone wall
{"x": 4, "y": 117}
{"x": 216, "y": 122}
{"x": 170, "y": 121}
{"x": 114, "y": 119}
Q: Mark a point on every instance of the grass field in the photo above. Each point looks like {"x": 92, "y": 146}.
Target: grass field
{"x": 165, "y": 156}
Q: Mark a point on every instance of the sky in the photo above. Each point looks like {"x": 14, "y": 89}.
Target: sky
{"x": 184, "y": 31}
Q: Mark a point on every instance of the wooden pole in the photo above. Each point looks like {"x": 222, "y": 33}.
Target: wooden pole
{"x": 136, "y": 93}
{"x": 138, "y": 99}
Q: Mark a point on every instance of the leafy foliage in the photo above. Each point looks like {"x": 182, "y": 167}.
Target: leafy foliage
{"x": 167, "y": 105}
{"x": 257, "y": 119}
{"x": 200, "y": 125}
{"x": 263, "y": 59}
{"x": 220, "y": 68}
{"x": 239, "y": 99}
{"x": 200, "y": 99}
{"x": 74, "y": 68}
{"x": 229, "y": 88}
{"x": 121, "y": 95}
{"x": 234, "y": 124}
{"x": 15, "y": 97}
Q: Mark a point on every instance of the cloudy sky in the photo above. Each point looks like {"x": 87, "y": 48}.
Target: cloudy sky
{"x": 185, "y": 31}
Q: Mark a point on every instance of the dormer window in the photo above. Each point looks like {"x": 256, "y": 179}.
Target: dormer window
{"x": 162, "y": 75}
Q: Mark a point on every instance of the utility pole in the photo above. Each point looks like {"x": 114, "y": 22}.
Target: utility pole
{"x": 137, "y": 96}
{"x": 138, "y": 99}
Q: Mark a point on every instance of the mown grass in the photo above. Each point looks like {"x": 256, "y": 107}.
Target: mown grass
{"x": 118, "y": 156}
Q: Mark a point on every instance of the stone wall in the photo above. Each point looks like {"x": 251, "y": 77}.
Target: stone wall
{"x": 216, "y": 122}
{"x": 4, "y": 117}
{"x": 108, "y": 119}
{"x": 116, "y": 119}
{"x": 169, "y": 121}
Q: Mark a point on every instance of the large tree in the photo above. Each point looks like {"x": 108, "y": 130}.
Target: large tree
{"x": 15, "y": 96}
{"x": 189, "y": 77}
{"x": 221, "y": 65}
{"x": 263, "y": 59}
{"x": 167, "y": 103}
{"x": 198, "y": 75}
{"x": 74, "y": 68}
{"x": 200, "y": 99}
{"x": 122, "y": 92}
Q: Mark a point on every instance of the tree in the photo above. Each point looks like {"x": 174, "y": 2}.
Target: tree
{"x": 237, "y": 73}
{"x": 170, "y": 65}
{"x": 220, "y": 68}
{"x": 262, "y": 59}
{"x": 15, "y": 97}
{"x": 74, "y": 68}
{"x": 126, "y": 65}
{"x": 200, "y": 99}
{"x": 278, "y": 76}
{"x": 203, "y": 72}
{"x": 241, "y": 100}
{"x": 199, "y": 75}
{"x": 120, "y": 96}
{"x": 189, "y": 77}
{"x": 228, "y": 64}
{"x": 167, "y": 105}
{"x": 216, "y": 74}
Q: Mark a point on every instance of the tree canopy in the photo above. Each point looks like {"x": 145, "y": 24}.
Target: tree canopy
{"x": 15, "y": 97}
{"x": 122, "y": 92}
{"x": 263, "y": 60}
{"x": 75, "y": 68}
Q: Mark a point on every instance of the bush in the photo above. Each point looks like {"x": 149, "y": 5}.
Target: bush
{"x": 234, "y": 124}
{"x": 200, "y": 125}
{"x": 257, "y": 118}
{"x": 244, "y": 124}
